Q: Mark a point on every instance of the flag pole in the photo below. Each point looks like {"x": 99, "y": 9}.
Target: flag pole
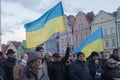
{"x": 68, "y": 44}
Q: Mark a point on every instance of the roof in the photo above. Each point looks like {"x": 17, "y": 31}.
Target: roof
{"x": 71, "y": 19}
{"x": 4, "y": 48}
{"x": 113, "y": 15}
{"x": 16, "y": 44}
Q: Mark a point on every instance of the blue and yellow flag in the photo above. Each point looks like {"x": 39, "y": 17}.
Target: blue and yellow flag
{"x": 94, "y": 42}
{"x": 38, "y": 31}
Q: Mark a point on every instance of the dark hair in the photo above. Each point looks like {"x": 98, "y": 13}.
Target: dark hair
{"x": 56, "y": 55}
{"x": 1, "y": 53}
{"x": 94, "y": 53}
{"x": 39, "y": 48}
{"x": 115, "y": 50}
{"x": 79, "y": 53}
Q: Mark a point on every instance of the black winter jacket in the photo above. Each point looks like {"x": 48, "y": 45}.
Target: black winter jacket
{"x": 56, "y": 70}
{"x": 93, "y": 67}
{"x": 8, "y": 66}
{"x": 79, "y": 71}
{"x": 115, "y": 57}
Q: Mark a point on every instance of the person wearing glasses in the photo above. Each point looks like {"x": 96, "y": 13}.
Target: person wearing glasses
{"x": 111, "y": 71}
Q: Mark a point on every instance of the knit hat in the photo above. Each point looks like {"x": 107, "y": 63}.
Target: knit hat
{"x": 33, "y": 55}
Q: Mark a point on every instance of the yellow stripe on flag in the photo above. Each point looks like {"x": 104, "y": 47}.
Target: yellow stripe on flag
{"x": 41, "y": 35}
{"x": 97, "y": 45}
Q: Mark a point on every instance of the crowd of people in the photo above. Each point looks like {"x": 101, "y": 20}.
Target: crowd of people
{"x": 36, "y": 65}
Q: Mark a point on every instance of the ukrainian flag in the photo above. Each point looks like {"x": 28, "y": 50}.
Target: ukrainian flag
{"x": 94, "y": 42}
{"x": 41, "y": 29}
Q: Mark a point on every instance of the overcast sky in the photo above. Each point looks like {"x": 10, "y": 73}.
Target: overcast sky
{"x": 15, "y": 13}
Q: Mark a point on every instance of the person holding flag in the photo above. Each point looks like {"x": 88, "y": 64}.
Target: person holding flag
{"x": 56, "y": 68}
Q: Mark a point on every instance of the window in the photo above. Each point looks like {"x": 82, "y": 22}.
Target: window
{"x": 70, "y": 39}
{"x": 76, "y": 37}
{"x": 107, "y": 43}
{"x": 86, "y": 35}
{"x": 65, "y": 40}
{"x": 80, "y": 27}
{"x": 62, "y": 41}
{"x": 112, "y": 30}
{"x": 106, "y": 31}
{"x": 113, "y": 42}
{"x": 80, "y": 37}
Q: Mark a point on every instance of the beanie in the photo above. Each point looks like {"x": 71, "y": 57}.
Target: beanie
{"x": 33, "y": 55}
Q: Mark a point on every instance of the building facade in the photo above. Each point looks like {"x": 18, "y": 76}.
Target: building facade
{"x": 107, "y": 22}
{"x": 118, "y": 27}
{"x": 51, "y": 45}
{"x": 81, "y": 29}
